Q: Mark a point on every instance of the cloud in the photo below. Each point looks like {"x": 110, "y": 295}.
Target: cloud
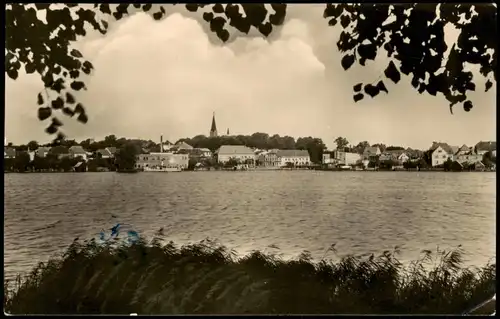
{"x": 166, "y": 78}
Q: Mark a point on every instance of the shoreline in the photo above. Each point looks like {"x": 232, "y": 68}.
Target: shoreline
{"x": 274, "y": 170}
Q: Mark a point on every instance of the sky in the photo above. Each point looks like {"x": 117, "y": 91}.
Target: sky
{"x": 167, "y": 78}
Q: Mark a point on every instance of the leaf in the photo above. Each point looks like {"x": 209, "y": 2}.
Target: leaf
{"x": 372, "y": 90}
{"x": 192, "y": 7}
{"x": 77, "y": 85}
{"x": 381, "y": 86}
{"x": 74, "y": 74}
{"x": 158, "y": 15}
{"x": 467, "y": 106}
{"x": 12, "y": 73}
{"x": 488, "y": 85}
{"x": 56, "y": 122}
{"x": 392, "y": 73}
{"x": 137, "y": 5}
{"x": 51, "y": 129}
{"x": 347, "y": 61}
{"x": 223, "y": 35}
{"x": 146, "y": 7}
{"x": 218, "y": 8}
{"x": 358, "y": 87}
{"x": 358, "y": 97}
{"x": 265, "y": 29}
{"x": 70, "y": 98}
{"x": 470, "y": 86}
{"x": 68, "y": 111}
{"x": 332, "y": 22}
{"x": 79, "y": 108}
{"x": 104, "y": 24}
{"x": 344, "y": 21}
{"x": 57, "y": 104}
{"x": 39, "y": 99}
{"x": 76, "y": 53}
{"x": 44, "y": 113}
{"x": 105, "y": 8}
{"x": 82, "y": 117}
{"x": 30, "y": 68}
{"x": 367, "y": 51}
{"x": 208, "y": 16}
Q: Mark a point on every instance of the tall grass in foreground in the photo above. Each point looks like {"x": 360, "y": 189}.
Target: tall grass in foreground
{"x": 206, "y": 278}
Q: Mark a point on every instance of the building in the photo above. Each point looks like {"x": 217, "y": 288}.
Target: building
{"x": 239, "y": 152}
{"x": 162, "y": 159}
{"x": 468, "y": 157}
{"x": 296, "y": 157}
{"x": 77, "y": 151}
{"x": 182, "y": 146}
{"x": 270, "y": 158}
{"x": 346, "y": 158}
{"x": 399, "y": 156}
{"x": 213, "y": 128}
{"x": 204, "y": 152}
{"x": 9, "y": 152}
{"x": 42, "y": 151}
{"x": 485, "y": 147}
{"x": 441, "y": 154}
{"x": 371, "y": 151}
{"x": 108, "y": 152}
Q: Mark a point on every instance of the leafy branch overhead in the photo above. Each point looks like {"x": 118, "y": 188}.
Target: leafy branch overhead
{"x": 412, "y": 36}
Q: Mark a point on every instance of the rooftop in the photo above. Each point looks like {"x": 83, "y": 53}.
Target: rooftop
{"x": 235, "y": 149}
{"x": 293, "y": 153}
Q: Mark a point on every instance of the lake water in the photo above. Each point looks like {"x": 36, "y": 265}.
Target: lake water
{"x": 362, "y": 212}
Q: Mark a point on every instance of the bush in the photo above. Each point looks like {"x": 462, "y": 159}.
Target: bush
{"x": 206, "y": 278}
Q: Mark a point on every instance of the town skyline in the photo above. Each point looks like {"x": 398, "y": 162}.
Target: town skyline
{"x": 166, "y": 78}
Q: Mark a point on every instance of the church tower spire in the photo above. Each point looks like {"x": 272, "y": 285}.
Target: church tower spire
{"x": 213, "y": 129}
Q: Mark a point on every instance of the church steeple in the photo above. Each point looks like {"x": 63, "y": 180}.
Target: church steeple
{"x": 227, "y": 132}
{"x": 213, "y": 129}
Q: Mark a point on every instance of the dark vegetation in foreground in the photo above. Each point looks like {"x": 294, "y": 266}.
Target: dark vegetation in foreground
{"x": 206, "y": 278}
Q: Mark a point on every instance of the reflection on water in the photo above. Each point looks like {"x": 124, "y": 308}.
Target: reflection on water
{"x": 362, "y": 212}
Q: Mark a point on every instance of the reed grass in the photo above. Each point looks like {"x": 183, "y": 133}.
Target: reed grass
{"x": 207, "y": 278}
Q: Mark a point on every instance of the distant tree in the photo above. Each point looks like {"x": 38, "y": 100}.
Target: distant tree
{"x": 33, "y": 145}
{"x": 232, "y": 162}
{"x": 192, "y": 163}
{"x": 341, "y": 143}
{"x": 40, "y": 163}
{"x": 360, "y": 148}
{"x": 427, "y": 157}
{"x": 381, "y": 147}
{"x": 110, "y": 140}
{"x": 447, "y": 165}
{"x": 21, "y": 148}
{"x": 21, "y": 162}
{"x": 10, "y": 144}
{"x": 126, "y": 157}
{"x": 395, "y": 148}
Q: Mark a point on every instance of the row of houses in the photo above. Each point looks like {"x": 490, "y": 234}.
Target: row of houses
{"x": 442, "y": 152}
{"x": 75, "y": 151}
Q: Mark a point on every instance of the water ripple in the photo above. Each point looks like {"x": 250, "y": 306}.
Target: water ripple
{"x": 295, "y": 211}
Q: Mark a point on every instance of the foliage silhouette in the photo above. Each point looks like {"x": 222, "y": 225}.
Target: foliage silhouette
{"x": 206, "y": 278}
{"x": 412, "y": 36}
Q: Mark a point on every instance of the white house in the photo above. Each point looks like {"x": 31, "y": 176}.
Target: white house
{"x": 441, "y": 155}
{"x": 371, "y": 151}
{"x": 238, "y": 152}
{"x": 297, "y": 157}
{"x": 77, "y": 151}
{"x": 205, "y": 152}
{"x": 162, "y": 159}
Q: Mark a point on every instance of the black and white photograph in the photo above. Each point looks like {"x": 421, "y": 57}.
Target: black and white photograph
{"x": 250, "y": 159}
